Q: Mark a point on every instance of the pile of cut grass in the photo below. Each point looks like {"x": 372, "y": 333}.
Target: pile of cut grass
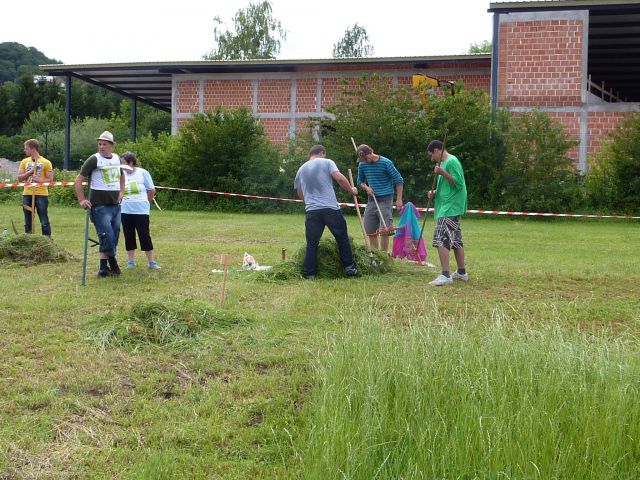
{"x": 329, "y": 265}
{"x": 26, "y": 249}
{"x": 159, "y": 322}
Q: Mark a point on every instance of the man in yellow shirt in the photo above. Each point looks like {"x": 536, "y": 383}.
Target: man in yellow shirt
{"x": 35, "y": 168}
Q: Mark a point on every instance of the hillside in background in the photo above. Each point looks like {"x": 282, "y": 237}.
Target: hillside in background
{"x": 15, "y": 58}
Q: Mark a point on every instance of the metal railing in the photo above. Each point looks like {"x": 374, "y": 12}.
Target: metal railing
{"x": 599, "y": 90}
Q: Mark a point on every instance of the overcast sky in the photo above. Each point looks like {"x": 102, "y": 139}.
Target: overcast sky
{"x": 115, "y": 31}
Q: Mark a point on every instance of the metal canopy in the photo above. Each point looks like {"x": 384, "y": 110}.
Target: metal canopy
{"x": 614, "y": 40}
{"x": 145, "y": 83}
{"x": 151, "y": 83}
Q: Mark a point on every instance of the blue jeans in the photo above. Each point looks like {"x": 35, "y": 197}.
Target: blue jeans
{"x": 106, "y": 219}
{"x": 315, "y": 222}
{"x": 42, "y": 206}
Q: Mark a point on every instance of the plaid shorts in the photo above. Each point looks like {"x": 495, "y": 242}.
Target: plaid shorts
{"x": 448, "y": 233}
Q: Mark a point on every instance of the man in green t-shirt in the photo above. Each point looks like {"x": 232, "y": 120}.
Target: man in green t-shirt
{"x": 450, "y": 203}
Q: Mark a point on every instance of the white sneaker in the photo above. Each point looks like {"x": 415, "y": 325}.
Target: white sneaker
{"x": 460, "y": 276}
{"x": 441, "y": 280}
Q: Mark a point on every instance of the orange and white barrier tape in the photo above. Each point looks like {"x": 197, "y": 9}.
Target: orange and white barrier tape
{"x": 296, "y": 200}
{"x": 482, "y": 212}
{"x": 37, "y": 184}
{"x": 241, "y": 195}
{"x": 561, "y": 215}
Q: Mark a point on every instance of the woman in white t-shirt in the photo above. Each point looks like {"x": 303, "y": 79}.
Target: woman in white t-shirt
{"x": 139, "y": 191}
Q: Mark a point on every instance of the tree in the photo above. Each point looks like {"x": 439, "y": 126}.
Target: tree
{"x": 484, "y": 47}
{"x": 50, "y": 117}
{"x": 22, "y": 97}
{"x": 256, "y": 35}
{"x": 15, "y": 59}
{"x": 538, "y": 174}
{"x": 354, "y": 44}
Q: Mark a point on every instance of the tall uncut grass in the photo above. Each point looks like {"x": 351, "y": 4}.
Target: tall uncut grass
{"x": 502, "y": 399}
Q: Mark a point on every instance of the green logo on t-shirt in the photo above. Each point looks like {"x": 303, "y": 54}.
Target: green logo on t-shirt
{"x": 110, "y": 175}
{"x": 132, "y": 188}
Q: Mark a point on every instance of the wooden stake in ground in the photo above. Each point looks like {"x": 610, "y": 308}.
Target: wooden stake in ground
{"x": 225, "y": 260}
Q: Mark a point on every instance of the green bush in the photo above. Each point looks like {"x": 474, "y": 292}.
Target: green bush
{"x": 223, "y": 151}
{"x": 59, "y": 195}
{"x": 538, "y": 175}
{"x": 155, "y": 154}
{"x": 613, "y": 181}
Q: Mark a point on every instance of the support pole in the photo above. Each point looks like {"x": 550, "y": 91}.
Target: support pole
{"x": 67, "y": 123}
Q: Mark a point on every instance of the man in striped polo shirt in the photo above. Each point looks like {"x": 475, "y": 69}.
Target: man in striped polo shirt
{"x": 379, "y": 177}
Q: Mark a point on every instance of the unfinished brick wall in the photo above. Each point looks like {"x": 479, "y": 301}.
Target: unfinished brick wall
{"x": 187, "y": 96}
{"x": 227, "y": 94}
{"x": 270, "y": 99}
{"x": 540, "y": 63}
{"x": 276, "y": 129}
{"x": 570, "y": 122}
{"x": 307, "y": 95}
{"x": 274, "y": 96}
{"x": 600, "y": 125}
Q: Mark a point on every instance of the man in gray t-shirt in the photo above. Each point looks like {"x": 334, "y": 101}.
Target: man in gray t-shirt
{"x": 314, "y": 184}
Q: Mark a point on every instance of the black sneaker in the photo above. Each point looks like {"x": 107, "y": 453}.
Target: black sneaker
{"x": 309, "y": 277}
{"x": 351, "y": 271}
{"x": 104, "y": 272}
{"x": 113, "y": 266}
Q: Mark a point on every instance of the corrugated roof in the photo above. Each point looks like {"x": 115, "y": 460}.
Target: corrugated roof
{"x": 150, "y": 82}
{"x": 558, "y": 4}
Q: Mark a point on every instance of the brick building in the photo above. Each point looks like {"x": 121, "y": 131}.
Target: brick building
{"x": 285, "y": 100}
{"x": 578, "y": 60}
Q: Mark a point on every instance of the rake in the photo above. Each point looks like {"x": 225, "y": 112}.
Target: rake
{"x": 364, "y": 233}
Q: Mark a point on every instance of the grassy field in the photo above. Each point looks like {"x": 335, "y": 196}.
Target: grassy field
{"x": 530, "y": 370}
